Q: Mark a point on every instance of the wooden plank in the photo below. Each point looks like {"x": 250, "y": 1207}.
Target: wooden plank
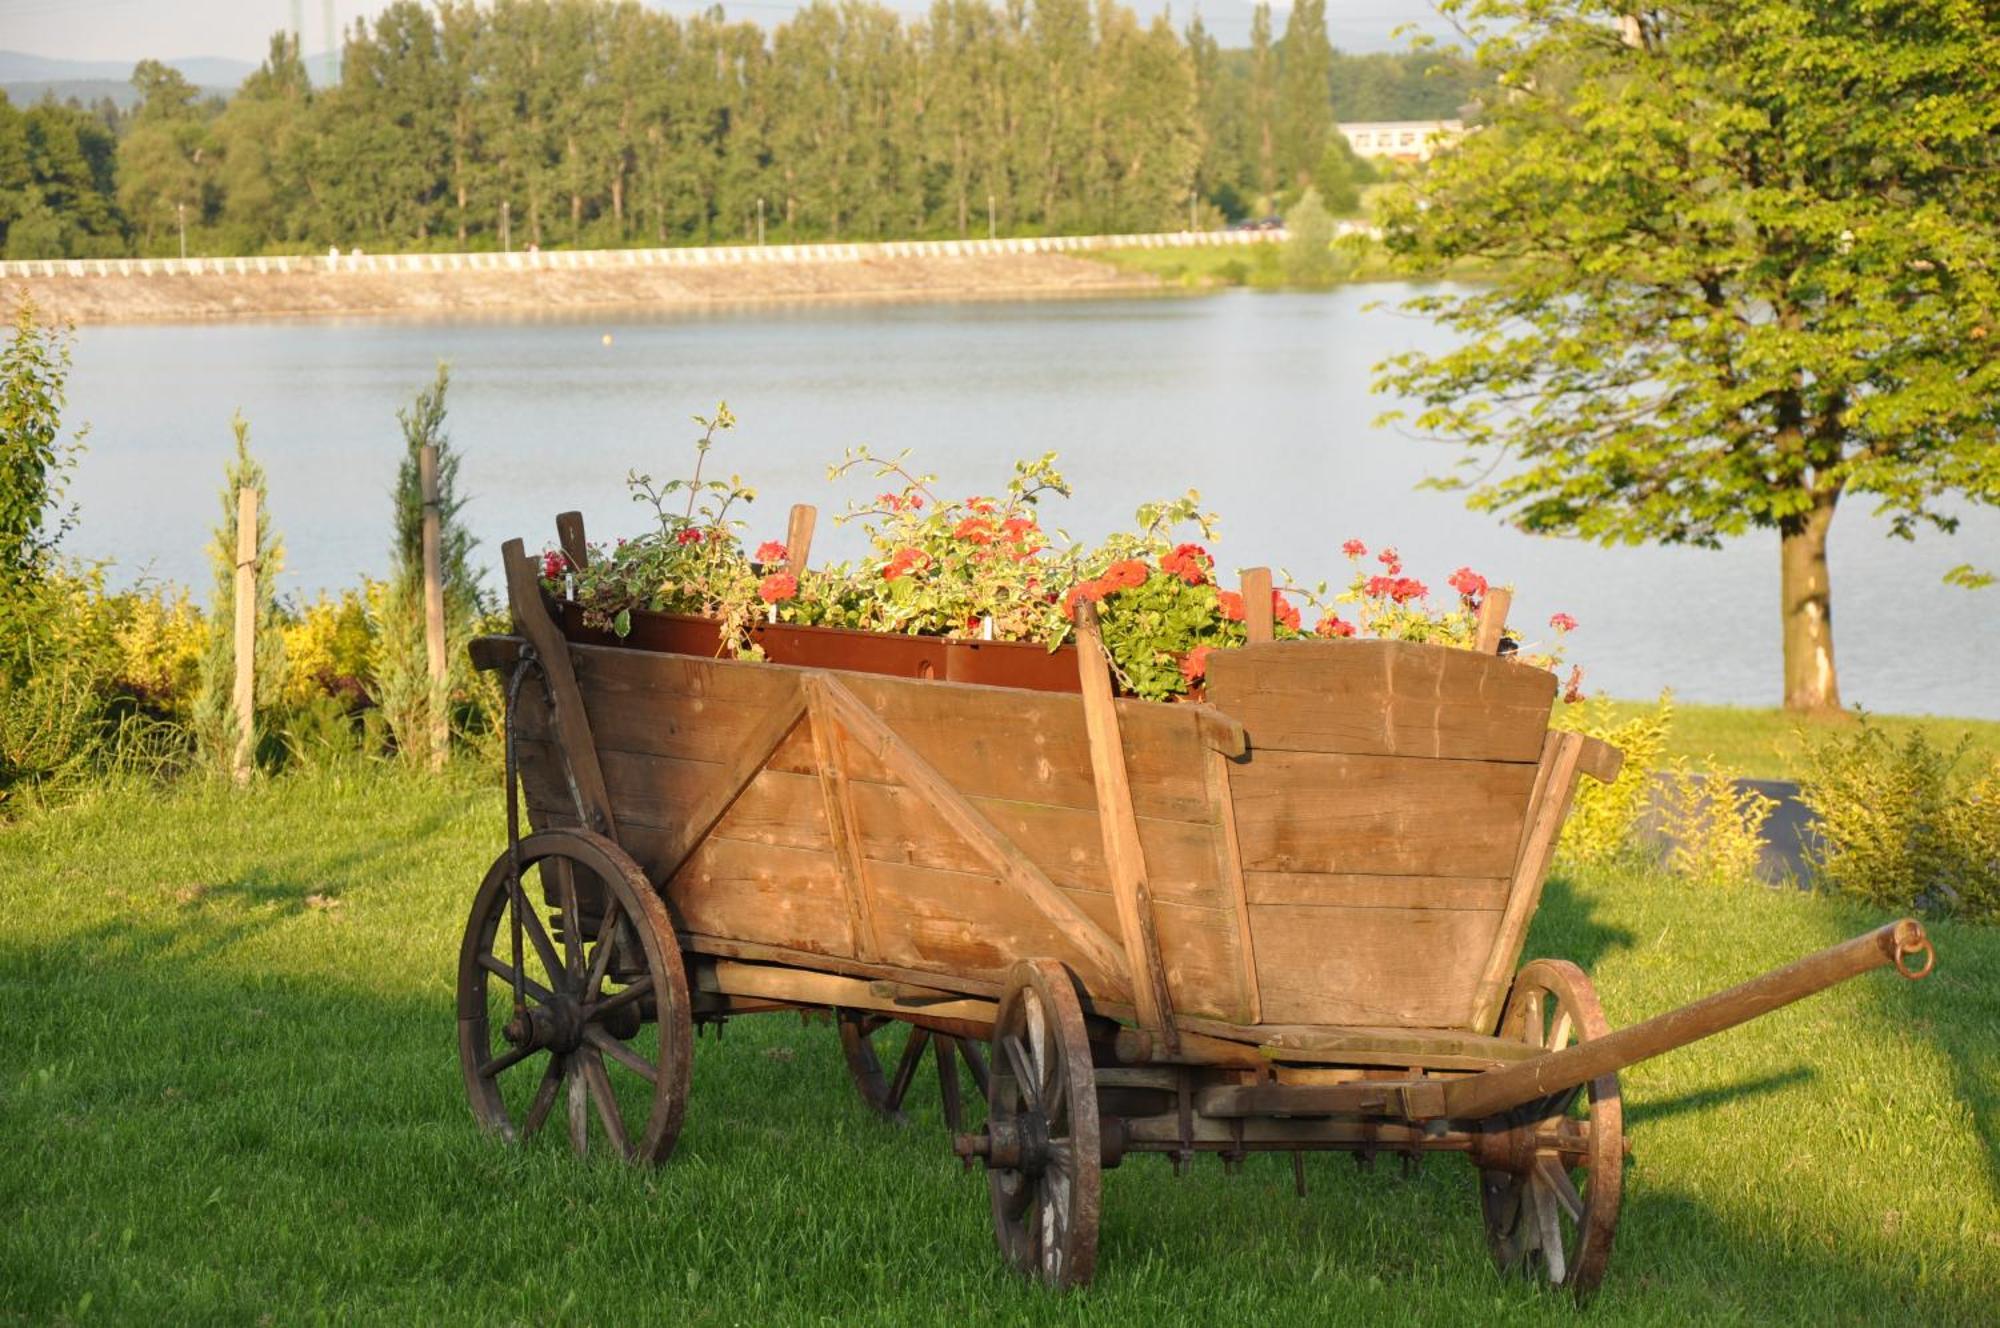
{"x": 1379, "y": 815}
{"x": 1258, "y": 614}
{"x": 735, "y": 978}
{"x": 1125, "y": 861}
{"x": 955, "y": 923}
{"x": 1536, "y": 850}
{"x": 729, "y": 947}
{"x": 871, "y": 734}
{"x": 841, "y": 821}
{"x": 1369, "y": 966}
{"x": 1383, "y": 698}
{"x": 762, "y": 894}
{"x": 1493, "y": 620}
{"x": 715, "y": 801}
{"x": 987, "y": 741}
{"x": 1229, "y": 861}
{"x": 243, "y": 698}
{"x": 1352, "y": 891}
{"x": 572, "y": 723}
{"x": 894, "y": 824}
{"x": 798, "y": 538}
{"x": 1600, "y": 760}
{"x": 569, "y": 535}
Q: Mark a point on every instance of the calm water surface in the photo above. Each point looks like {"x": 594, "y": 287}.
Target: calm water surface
{"x": 1259, "y": 401}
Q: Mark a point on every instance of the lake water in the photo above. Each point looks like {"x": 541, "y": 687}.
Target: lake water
{"x": 1259, "y": 401}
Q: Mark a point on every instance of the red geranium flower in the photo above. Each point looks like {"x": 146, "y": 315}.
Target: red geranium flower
{"x": 688, "y": 536}
{"x": 1284, "y": 610}
{"x": 1333, "y": 626}
{"x": 1391, "y": 560}
{"x": 903, "y": 561}
{"x": 1401, "y": 589}
{"x": 1093, "y": 591}
{"x": 1124, "y": 575}
{"x": 1231, "y": 605}
{"x": 554, "y": 564}
{"x": 1468, "y": 583}
{"x": 777, "y": 587}
{"x": 770, "y": 551}
{"x": 1189, "y": 562}
{"x": 974, "y": 530}
{"x": 1194, "y": 667}
{"x": 1354, "y": 549}
{"x": 1562, "y": 622}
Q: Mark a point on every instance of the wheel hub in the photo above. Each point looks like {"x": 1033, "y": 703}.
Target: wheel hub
{"x": 1014, "y": 1143}
{"x": 557, "y": 1026}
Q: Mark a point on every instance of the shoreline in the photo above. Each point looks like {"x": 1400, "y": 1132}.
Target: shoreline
{"x": 97, "y": 301}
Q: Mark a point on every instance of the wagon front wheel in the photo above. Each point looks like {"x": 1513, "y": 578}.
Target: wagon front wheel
{"x": 572, "y": 1000}
{"x": 1552, "y": 1172}
{"x": 1042, "y": 1143}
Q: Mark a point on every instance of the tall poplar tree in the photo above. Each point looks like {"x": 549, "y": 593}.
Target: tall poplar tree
{"x": 1305, "y": 94}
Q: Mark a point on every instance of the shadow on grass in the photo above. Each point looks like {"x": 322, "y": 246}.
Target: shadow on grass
{"x": 1653, "y": 1112}
{"x": 1566, "y": 926}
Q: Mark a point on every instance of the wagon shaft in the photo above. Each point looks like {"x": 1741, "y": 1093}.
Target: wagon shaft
{"x": 1502, "y": 1090}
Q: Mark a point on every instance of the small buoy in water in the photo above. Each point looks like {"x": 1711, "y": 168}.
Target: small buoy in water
{"x": 607, "y": 338}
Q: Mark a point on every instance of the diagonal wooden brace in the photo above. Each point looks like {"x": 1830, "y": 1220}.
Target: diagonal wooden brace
{"x": 1005, "y": 860}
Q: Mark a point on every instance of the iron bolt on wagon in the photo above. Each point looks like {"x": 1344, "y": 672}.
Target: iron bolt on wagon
{"x": 1288, "y": 918}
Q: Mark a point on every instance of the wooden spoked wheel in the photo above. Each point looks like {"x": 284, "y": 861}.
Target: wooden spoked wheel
{"x": 1044, "y": 1168}
{"x": 884, "y": 1093}
{"x": 1552, "y": 1211}
{"x": 601, "y": 1026}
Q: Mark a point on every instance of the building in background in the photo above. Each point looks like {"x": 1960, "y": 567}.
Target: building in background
{"x": 1402, "y": 140}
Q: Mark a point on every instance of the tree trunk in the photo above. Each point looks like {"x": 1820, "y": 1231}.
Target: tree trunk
{"x": 1807, "y": 591}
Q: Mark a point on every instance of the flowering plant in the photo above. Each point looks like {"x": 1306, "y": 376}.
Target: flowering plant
{"x": 691, "y": 563}
{"x": 977, "y": 566}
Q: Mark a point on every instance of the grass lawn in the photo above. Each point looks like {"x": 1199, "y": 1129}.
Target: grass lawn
{"x": 1206, "y": 266}
{"x": 1765, "y": 743}
{"x": 230, "y": 1095}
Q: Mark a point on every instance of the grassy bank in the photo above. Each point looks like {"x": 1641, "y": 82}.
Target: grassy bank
{"x": 1764, "y": 743}
{"x": 1208, "y": 267}
{"x": 231, "y": 1096}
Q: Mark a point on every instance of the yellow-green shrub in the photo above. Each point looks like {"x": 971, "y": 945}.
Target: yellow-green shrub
{"x": 1713, "y": 825}
{"x": 328, "y": 646}
{"x": 1604, "y": 820}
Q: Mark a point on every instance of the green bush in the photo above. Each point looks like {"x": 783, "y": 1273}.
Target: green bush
{"x": 1713, "y": 825}
{"x": 1900, "y": 827}
{"x": 1604, "y": 820}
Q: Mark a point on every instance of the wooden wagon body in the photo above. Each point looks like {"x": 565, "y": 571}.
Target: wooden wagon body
{"x": 1288, "y": 917}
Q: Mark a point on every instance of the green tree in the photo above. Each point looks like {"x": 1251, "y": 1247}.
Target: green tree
{"x": 414, "y": 706}
{"x": 1749, "y": 263}
{"x": 262, "y": 138}
{"x": 1263, "y": 108}
{"x": 214, "y": 719}
{"x": 165, "y": 162}
{"x": 1309, "y": 259}
{"x": 1305, "y": 99}
{"x": 34, "y": 370}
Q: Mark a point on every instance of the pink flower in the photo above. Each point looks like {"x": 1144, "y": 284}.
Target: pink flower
{"x": 1562, "y": 622}
{"x": 770, "y": 551}
{"x": 1467, "y": 583}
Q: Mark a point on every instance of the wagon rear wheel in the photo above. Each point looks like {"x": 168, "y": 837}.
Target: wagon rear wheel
{"x": 1044, "y": 1167}
{"x": 600, "y": 1037}
{"x": 1552, "y": 1210}
{"x": 884, "y": 1093}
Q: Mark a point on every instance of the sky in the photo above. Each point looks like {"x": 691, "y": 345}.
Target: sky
{"x": 130, "y": 30}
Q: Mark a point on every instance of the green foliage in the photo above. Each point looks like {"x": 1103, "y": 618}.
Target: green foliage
{"x": 34, "y": 369}
{"x": 214, "y": 716}
{"x": 1746, "y": 262}
{"x": 1713, "y": 824}
{"x": 1900, "y": 827}
{"x": 1603, "y": 821}
{"x": 1305, "y": 108}
{"x": 1309, "y": 259}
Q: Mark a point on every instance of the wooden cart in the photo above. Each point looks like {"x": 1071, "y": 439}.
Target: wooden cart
{"x": 1287, "y": 918}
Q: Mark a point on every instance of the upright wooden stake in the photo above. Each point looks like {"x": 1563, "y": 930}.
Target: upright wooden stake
{"x": 799, "y": 537}
{"x": 569, "y": 534}
{"x": 1493, "y": 619}
{"x": 246, "y": 631}
{"x": 427, "y": 476}
{"x": 1257, "y": 612}
{"x": 1124, "y": 860}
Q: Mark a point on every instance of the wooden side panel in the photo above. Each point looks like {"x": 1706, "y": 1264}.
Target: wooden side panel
{"x": 1383, "y": 698}
{"x": 962, "y": 923}
{"x": 1396, "y": 967}
{"x": 1402, "y": 892}
{"x": 1379, "y": 815}
{"x": 762, "y": 893}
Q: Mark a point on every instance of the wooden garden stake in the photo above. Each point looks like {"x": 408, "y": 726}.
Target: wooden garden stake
{"x": 246, "y": 630}
{"x": 799, "y": 538}
{"x": 427, "y": 474}
{"x": 1493, "y": 619}
{"x": 1257, "y": 615}
{"x": 569, "y": 534}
